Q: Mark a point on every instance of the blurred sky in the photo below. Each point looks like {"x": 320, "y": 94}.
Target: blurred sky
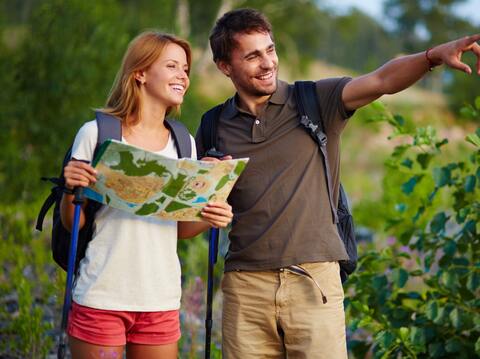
{"x": 470, "y": 9}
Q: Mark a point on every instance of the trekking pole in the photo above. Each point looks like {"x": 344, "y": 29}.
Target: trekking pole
{"x": 72, "y": 254}
{"x": 212, "y": 259}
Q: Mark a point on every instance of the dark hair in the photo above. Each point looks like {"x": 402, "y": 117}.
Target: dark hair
{"x": 240, "y": 21}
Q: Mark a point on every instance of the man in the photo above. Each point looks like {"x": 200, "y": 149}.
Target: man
{"x": 283, "y": 296}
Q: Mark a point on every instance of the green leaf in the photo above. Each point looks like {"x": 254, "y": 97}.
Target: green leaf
{"x": 449, "y": 279}
{"x": 477, "y": 102}
{"x": 440, "y": 316}
{"x": 365, "y": 322}
{"x": 453, "y": 345}
{"x": 407, "y": 162}
{"x": 441, "y": 143}
{"x": 378, "y": 106}
{"x": 467, "y": 112}
{"x": 462, "y": 214}
{"x": 469, "y": 228}
{"x": 474, "y": 139}
{"x": 404, "y": 333}
{"x": 385, "y": 338}
{"x": 438, "y": 223}
{"x": 428, "y": 261}
{"x": 432, "y": 310}
{"x": 400, "y": 277}
{"x": 424, "y": 159}
{"x": 449, "y": 248}
{"x": 409, "y": 186}
{"x": 436, "y": 350}
{"x": 477, "y": 346}
{"x": 456, "y": 318}
{"x": 417, "y": 336}
{"x": 399, "y": 313}
{"x": 432, "y": 195}
{"x": 470, "y": 182}
{"x": 441, "y": 176}
{"x": 400, "y": 150}
{"x": 473, "y": 281}
{"x": 380, "y": 282}
{"x": 399, "y": 120}
{"x": 420, "y": 211}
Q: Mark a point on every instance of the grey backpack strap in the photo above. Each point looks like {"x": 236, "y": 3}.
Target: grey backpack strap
{"x": 181, "y": 137}
{"x": 109, "y": 127}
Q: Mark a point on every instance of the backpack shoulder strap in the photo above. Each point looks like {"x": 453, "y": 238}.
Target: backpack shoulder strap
{"x": 306, "y": 96}
{"x": 209, "y": 127}
{"x": 311, "y": 118}
{"x": 181, "y": 137}
{"x": 109, "y": 127}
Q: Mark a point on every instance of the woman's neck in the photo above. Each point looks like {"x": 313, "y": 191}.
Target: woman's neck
{"x": 151, "y": 116}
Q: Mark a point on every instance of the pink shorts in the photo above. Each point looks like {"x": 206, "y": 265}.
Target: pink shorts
{"x": 116, "y": 328}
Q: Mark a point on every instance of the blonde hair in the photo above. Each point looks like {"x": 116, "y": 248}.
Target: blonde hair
{"x": 124, "y": 98}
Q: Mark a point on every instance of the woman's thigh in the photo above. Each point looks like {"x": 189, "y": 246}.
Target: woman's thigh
{"x": 84, "y": 350}
{"x": 141, "y": 351}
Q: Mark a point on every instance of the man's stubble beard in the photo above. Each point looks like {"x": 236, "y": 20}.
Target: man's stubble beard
{"x": 258, "y": 92}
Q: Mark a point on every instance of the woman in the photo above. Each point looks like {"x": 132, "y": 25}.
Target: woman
{"x": 127, "y": 292}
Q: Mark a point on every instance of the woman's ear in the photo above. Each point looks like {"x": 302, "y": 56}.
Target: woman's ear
{"x": 140, "y": 77}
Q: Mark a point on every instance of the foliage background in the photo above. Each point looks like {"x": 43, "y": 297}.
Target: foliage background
{"x": 58, "y": 59}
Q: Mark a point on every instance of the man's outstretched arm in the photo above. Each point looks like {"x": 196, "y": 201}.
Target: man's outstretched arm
{"x": 400, "y": 73}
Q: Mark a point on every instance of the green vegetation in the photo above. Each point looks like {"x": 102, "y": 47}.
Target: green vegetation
{"x": 416, "y": 292}
{"x": 418, "y": 296}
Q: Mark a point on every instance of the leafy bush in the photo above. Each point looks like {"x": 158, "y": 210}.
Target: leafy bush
{"x": 419, "y": 296}
{"x": 27, "y": 291}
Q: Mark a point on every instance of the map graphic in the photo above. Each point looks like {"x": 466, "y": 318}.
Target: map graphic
{"x": 148, "y": 184}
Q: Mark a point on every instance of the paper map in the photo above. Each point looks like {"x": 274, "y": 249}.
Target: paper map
{"x": 148, "y": 184}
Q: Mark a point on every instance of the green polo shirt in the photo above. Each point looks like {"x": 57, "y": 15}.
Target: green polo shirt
{"x": 280, "y": 202}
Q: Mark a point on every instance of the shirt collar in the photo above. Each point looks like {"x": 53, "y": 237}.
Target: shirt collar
{"x": 279, "y": 97}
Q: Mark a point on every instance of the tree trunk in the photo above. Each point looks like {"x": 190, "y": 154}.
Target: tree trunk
{"x": 225, "y": 5}
{"x": 183, "y": 19}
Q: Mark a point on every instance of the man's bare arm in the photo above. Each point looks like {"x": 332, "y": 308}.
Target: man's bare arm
{"x": 400, "y": 73}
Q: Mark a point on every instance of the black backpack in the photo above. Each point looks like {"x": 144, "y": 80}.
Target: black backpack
{"x": 109, "y": 127}
{"x": 311, "y": 119}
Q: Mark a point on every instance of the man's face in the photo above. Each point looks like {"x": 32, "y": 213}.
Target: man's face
{"x": 253, "y": 65}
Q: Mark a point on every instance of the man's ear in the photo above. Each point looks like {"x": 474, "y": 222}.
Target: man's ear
{"x": 141, "y": 77}
{"x": 224, "y": 67}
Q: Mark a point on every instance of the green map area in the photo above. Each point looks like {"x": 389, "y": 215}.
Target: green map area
{"x": 148, "y": 184}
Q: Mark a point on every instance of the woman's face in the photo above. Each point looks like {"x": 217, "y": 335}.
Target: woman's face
{"x": 166, "y": 80}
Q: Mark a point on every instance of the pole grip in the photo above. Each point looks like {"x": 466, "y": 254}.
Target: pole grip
{"x": 78, "y": 195}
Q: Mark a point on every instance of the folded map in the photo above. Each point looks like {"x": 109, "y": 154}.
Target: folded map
{"x": 148, "y": 184}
